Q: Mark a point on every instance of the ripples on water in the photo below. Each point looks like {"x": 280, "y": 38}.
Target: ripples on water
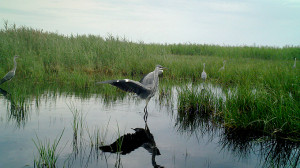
{"x": 167, "y": 139}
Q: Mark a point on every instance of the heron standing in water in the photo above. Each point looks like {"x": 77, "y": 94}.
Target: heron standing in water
{"x": 203, "y": 74}
{"x": 145, "y": 88}
{"x": 11, "y": 73}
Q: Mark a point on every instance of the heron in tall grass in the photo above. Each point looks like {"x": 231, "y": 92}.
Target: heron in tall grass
{"x": 294, "y": 66}
{"x": 203, "y": 74}
{"x": 222, "y": 68}
{"x": 11, "y": 73}
{"x": 145, "y": 88}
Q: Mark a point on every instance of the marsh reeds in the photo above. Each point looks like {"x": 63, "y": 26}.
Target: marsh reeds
{"x": 198, "y": 109}
{"x": 47, "y": 152}
{"x": 267, "y": 111}
{"x": 80, "y": 60}
{"x": 264, "y": 110}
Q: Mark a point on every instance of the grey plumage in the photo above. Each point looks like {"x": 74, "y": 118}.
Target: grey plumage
{"x": 11, "y": 73}
{"x": 222, "y": 68}
{"x": 294, "y": 66}
{"x": 203, "y": 74}
{"x": 145, "y": 88}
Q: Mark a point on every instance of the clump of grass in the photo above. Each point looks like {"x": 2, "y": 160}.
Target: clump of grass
{"x": 271, "y": 112}
{"x": 47, "y": 152}
{"x": 77, "y": 126}
{"x": 198, "y": 107}
{"x": 198, "y": 100}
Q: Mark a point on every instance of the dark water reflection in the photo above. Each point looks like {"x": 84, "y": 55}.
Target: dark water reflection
{"x": 272, "y": 152}
{"x": 17, "y": 108}
{"x": 142, "y": 137}
{"x": 111, "y": 132}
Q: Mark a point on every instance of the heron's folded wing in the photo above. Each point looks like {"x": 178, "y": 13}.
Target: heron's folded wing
{"x": 128, "y": 85}
{"x": 7, "y": 77}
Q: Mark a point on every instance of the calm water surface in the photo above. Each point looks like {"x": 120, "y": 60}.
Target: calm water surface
{"x": 163, "y": 141}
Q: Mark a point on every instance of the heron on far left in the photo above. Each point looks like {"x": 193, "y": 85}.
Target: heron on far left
{"x": 145, "y": 88}
{"x": 11, "y": 73}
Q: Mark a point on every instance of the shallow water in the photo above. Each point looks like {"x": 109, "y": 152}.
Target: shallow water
{"x": 205, "y": 145}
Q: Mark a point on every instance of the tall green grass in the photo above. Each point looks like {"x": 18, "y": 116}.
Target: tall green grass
{"x": 261, "y": 52}
{"x": 274, "y": 113}
{"x": 268, "y": 111}
{"x": 80, "y": 60}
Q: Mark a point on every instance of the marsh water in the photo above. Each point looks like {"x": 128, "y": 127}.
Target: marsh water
{"x": 165, "y": 139}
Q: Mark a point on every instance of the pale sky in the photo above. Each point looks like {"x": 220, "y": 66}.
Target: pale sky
{"x": 223, "y": 22}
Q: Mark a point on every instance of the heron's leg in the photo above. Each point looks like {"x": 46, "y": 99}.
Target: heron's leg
{"x": 147, "y": 101}
{"x": 145, "y": 110}
{"x": 146, "y": 116}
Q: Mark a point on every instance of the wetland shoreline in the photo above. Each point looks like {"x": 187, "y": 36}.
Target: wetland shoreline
{"x": 76, "y": 62}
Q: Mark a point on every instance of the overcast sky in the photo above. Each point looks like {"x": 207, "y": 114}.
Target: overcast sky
{"x": 224, "y": 22}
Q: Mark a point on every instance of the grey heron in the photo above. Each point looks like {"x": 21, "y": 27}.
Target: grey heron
{"x": 11, "y": 73}
{"x": 222, "y": 68}
{"x": 145, "y": 88}
{"x": 203, "y": 74}
{"x": 294, "y": 66}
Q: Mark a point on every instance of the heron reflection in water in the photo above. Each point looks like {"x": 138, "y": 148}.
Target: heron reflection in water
{"x": 142, "y": 137}
{"x": 17, "y": 110}
{"x": 145, "y": 88}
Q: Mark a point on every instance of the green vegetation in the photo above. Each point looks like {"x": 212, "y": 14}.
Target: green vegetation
{"x": 268, "y": 111}
{"x": 76, "y": 62}
{"x": 80, "y": 60}
{"x": 48, "y": 153}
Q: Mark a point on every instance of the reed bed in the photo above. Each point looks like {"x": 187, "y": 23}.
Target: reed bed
{"x": 80, "y": 60}
{"x": 261, "y": 110}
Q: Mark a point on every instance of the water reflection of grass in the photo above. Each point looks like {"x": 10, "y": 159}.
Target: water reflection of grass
{"x": 272, "y": 152}
{"x": 85, "y": 144}
{"x": 17, "y": 107}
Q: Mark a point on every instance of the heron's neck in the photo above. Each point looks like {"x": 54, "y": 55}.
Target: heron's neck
{"x": 155, "y": 81}
{"x": 15, "y": 66}
{"x": 203, "y": 67}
